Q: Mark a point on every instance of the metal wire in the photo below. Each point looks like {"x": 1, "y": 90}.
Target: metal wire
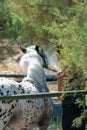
{"x": 42, "y": 95}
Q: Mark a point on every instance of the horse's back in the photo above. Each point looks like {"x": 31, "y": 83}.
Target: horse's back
{"x": 33, "y": 110}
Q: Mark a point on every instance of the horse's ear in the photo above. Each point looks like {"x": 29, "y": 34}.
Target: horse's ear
{"x": 37, "y": 48}
{"x": 23, "y": 49}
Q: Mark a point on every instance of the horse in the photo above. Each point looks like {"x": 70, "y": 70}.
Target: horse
{"x": 22, "y": 114}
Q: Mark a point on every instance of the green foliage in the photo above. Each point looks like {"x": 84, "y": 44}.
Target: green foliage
{"x": 77, "y": 122}
{"x": 4, "y": 17}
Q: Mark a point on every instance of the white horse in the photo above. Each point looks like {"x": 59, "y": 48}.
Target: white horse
{"x": 22, "y": 114}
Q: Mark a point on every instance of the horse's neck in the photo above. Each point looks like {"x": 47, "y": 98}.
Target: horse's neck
{"x": 36, "y": 73}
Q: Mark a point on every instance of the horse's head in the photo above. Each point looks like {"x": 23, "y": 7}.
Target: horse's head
{"x": 35, "y": 50}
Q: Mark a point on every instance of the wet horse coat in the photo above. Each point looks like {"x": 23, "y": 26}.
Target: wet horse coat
{"x": 21, "y": 114}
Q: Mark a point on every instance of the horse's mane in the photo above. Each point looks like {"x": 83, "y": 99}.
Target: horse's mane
{"x": 32, "y": 64}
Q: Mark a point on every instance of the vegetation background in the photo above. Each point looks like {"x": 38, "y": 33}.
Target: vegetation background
{"x": 60, "y": 26}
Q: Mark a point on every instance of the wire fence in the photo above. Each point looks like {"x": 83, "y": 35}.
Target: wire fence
{"x": 43, "y": 95}
{"x": 39, "y": 95}
{"x": 51, "y": 77}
